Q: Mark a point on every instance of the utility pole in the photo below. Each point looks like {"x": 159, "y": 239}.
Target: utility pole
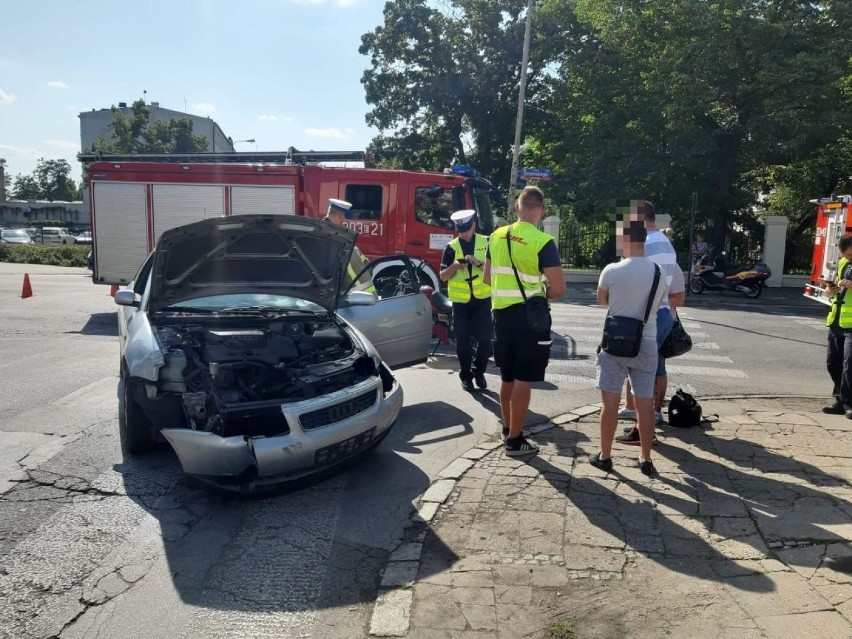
{"x": 513, "y": 179}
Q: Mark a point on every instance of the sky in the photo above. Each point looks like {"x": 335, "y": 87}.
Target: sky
{"x": 282, "y": 72}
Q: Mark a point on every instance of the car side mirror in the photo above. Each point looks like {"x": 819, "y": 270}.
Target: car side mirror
{"x": 127, "y": 298}
{"x": 354, "y": 298}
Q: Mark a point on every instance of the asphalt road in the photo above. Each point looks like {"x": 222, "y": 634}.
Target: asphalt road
{"x": 92, "y": 544}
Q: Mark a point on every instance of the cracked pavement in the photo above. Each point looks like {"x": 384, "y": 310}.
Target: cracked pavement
{"x": 745, "y": 533}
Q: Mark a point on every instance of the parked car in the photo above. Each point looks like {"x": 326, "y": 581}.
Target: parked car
{"x": 240, "y": 347}
{"x": 15, "y": 236}
{"x": 83, "y": 238}
{"x": 56, "y": 235}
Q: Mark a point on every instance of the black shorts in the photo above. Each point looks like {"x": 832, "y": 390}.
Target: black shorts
{"x": 520, "y": 353}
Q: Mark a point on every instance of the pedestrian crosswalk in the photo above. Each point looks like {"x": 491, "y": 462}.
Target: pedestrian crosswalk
{"x": 576, "y": 335}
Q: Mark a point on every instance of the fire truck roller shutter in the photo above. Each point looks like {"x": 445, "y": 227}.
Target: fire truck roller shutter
{"x": 121, "y": 230}
{"x": 263, "y": 200}
{"x": 178, "y": 204}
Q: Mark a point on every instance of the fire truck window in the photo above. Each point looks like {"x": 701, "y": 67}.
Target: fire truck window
{"x": 366, "y": 201}
{"x": 434, "y": 206}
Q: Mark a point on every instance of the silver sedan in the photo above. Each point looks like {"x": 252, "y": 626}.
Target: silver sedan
{"x": 240, "y": 347}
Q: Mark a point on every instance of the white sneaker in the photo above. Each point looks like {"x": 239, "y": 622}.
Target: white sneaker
{"x": 627, "y": 413}
{"x": 658, "y": 418}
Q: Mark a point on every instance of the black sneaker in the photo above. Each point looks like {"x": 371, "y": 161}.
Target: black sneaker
{"x": 603, "y": 464}
{"x": 520, "y": 446}
{"x": 505, "y": 433}
{"x": 837, "y": 408}
{"x": 647, "y": 468}
{"x": 480, "y": 381}
{"x": 632, "y": 438}
{"x": 467, "y": 384}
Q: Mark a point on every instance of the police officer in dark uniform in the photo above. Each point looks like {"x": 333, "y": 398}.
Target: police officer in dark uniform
{"x": 461, "y": 268}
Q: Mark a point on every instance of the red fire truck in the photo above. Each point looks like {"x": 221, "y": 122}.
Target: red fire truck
{"x": 134, "y": 198}
{"x": 833, "y": 222}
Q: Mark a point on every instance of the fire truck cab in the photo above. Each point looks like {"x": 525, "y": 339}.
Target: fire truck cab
{"x": 833, "y": 222}
{"x": 133, "y": 199}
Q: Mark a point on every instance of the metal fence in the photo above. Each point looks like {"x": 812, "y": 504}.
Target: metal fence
{"x": 586, "y": 245}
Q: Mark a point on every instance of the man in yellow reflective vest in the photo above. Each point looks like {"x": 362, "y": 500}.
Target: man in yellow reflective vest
{"x": 461, "y": 268}
{"x": 839, "y": 322}
{"x": 521, "y": 352}
{"x": 336, "y": 214}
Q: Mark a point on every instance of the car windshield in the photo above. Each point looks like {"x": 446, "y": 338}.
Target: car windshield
{"x": 15, "y": 233}
{"x": 249, "y": 301}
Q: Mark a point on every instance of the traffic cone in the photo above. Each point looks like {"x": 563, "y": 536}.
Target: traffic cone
{"x": 27, "y": 290}
{"x": 113, "y": 290}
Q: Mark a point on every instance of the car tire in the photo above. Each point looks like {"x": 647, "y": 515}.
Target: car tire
{"x": 134, "y": 429}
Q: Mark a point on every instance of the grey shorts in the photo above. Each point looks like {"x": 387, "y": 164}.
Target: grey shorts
{"x": 612, "y": 371}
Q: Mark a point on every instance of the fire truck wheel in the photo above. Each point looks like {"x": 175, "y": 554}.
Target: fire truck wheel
{"x": 696, "y": 285}
{"x": 134, "y": 429}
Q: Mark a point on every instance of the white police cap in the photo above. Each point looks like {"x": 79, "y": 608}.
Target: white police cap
{"x": 338, "y": 205}
{"x": 463, "y": 220}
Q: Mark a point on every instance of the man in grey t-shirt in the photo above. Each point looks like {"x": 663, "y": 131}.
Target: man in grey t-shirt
{"x": 625, "y": 288}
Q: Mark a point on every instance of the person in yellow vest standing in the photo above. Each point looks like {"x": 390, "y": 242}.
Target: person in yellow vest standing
{"x": 336, "y": 214}
{"x": 461, "y": 268}
{"x": 522, "y": 263}
{"x": 839, "y": 322}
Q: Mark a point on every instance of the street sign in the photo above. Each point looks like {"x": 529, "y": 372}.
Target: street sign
{"x": 542, "y": 175}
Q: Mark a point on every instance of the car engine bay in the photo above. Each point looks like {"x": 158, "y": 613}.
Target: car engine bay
{"x": 228, "y": 372}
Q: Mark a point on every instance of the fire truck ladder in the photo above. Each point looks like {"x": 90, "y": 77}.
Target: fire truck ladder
{"x": 289, "y": 157}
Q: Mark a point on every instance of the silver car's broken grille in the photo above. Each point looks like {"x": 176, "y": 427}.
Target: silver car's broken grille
{"x": 338, "y": 412}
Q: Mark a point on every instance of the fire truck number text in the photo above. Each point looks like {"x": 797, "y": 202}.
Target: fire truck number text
{"x": 366, "y": 228}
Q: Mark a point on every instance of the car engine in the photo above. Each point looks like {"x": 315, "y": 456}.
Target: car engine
{"x": 223, "y": 367}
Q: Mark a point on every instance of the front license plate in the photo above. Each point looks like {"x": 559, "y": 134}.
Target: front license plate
{"x": 344, "y": 449}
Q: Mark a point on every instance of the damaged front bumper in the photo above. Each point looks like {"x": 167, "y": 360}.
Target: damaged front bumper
{"x": 243, "y": 461}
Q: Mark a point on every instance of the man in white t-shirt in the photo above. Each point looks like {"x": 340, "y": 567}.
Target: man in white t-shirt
{"x": 625, "y": 288}
{"x": 658, "y": 249}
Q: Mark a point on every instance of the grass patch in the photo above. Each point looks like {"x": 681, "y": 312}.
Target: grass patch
{"x": 53, "y": 255}
{"x": 561, "y": 630}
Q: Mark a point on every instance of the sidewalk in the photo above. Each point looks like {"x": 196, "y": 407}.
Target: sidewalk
{"x": 745, "y": 534}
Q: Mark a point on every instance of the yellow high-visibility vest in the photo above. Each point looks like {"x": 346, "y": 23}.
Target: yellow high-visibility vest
{"x": 845, "y": 303}
{"x": 527, "y": 241}
{"x": 458, "y": 288}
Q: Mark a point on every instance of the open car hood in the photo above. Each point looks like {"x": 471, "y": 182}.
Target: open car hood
{"x": 268, "y": 254}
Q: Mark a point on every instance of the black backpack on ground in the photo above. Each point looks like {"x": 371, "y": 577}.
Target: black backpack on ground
{"x": 684, "y": 410}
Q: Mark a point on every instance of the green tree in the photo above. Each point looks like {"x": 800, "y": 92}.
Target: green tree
{"x": 7, "y": 180}
{"x": 443, "y": 83}
{"x": 49, "y": 181}
{"x": 136, "y": 133}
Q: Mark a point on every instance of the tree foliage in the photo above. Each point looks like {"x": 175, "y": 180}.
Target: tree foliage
{"x": 736, "y": 100}
{"x": 7, "y": 179}
{"x": 51, "y": 181}
{"x": 137, "y": 133}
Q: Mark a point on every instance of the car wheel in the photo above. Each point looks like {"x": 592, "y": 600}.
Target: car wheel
{"x": 134, "y": 429}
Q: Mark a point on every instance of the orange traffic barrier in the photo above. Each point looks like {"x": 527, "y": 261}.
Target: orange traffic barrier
{"x": 113, "y": 290}
{"x": 27, "y": 290}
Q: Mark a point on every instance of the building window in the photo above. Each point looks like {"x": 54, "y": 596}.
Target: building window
{"x": 366, "y": 200}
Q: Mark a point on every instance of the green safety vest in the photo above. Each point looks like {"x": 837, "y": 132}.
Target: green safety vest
{"x": 840, "y": 301}
{"x": 527, "y": 241}
{"x": 458, "y": 288}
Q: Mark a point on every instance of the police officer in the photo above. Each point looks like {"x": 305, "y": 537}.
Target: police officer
{"x": 461, "y": 268}
{"x": 336, "y": 214}
{"x": 839, "y": 322}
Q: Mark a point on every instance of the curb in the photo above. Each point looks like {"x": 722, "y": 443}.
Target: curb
{"x": 392, "y": 610}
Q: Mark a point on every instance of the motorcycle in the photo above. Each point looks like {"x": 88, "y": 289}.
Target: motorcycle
{"x": 748, "y": 279}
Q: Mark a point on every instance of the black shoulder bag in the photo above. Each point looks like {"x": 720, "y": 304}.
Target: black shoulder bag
{"x": 622, "y": 336}
{"x": 538, "y": 312}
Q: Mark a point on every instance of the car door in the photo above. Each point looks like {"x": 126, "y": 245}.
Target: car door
{"x": 399, "y": 324}
{"x": 127, "y": 315}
